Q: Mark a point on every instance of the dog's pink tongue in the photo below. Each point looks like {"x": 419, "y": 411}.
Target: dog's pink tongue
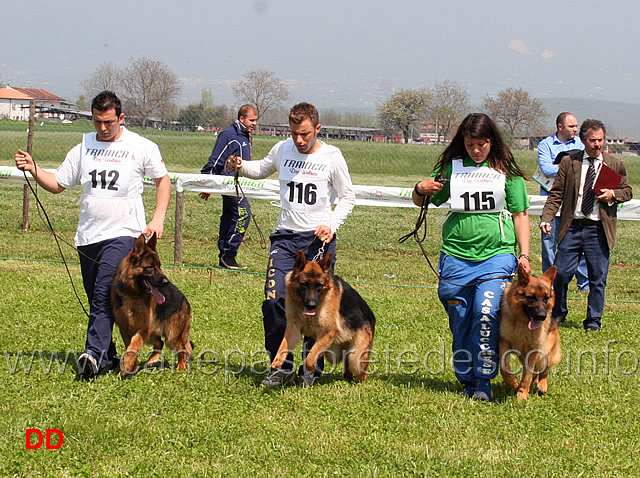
{"x": 309, "y": 311}
{"x": 534, "y": 324}
{"x": 159, "y": 298}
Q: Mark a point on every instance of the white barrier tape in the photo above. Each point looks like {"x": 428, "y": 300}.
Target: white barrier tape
{"x": 269, "y": 189}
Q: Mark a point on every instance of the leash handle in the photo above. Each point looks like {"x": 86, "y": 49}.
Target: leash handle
{"x": 320, "y": 254}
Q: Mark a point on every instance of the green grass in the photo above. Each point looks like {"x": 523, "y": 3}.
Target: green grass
{"x": 408, "y": 419}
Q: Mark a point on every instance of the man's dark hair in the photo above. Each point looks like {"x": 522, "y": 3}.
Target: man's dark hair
{"x": 591, "y": 124}
{"x": 304, "y": 111}
{"x": 106, "y": 100}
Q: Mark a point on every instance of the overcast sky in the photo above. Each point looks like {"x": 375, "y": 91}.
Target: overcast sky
{"x": 334, "y": 53}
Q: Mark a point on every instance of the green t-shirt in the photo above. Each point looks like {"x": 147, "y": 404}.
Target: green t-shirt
{"x": 478, "y": 236}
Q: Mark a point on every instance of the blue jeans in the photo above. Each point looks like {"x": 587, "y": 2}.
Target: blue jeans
{"x": 549, "y": 244}
{"x": 473, "y": 311}
{"x": 591, "y": 241}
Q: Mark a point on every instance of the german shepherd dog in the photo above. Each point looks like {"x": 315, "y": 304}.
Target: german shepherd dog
{"x": 147, "y": 307}
{"x": 528, "y": 331}
{"x": 327, "y": 309}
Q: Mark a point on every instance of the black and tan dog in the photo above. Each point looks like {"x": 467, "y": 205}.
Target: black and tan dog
{"x": 528, "y": 331}
{"x": 147, "y": 307}
{"x": 325, "y": 308}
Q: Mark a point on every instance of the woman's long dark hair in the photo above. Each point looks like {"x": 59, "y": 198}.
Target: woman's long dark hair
{"x": 480, "y": 126}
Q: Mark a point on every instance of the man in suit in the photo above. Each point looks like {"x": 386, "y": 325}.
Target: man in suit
{"x": 587, "y": 220}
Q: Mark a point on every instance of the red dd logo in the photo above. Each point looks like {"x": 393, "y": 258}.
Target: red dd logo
{"x": 41, "y": 439}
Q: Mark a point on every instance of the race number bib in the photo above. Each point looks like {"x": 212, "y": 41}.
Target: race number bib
{"x": 106, "y": 168}
{"x": 476, "y": 189}
{"x": 304, "y": 185}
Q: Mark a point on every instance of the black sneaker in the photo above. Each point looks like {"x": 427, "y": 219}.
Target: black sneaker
{"x": 278, "y": 378}
{"x": 230, "y": 263}
{"x": 87, "y": 366}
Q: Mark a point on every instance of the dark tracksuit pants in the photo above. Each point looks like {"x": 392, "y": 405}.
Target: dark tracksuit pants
{"x": 98, "y": 263}
{"x": 234, "y": 222}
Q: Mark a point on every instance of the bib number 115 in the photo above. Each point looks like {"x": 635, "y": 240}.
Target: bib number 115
{"x": 478, "y": 201}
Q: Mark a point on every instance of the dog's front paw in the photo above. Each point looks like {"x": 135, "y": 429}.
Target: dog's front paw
{"x": 307, "y": 379}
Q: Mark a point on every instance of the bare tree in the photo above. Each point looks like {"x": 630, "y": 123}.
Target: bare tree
{"x": 262, "y": 89}
{"x": 515, "y": 109}
{"x": 106, "y": 77}
{"x": 449, "y": 104}
{"x": 149, "y": 89}
{"x": 404, "y": 110}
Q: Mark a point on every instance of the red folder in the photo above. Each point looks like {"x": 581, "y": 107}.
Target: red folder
{"x": 606, "y": 178}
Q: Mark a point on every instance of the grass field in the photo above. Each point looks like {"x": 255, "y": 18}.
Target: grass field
{"x": 408, "y": 419}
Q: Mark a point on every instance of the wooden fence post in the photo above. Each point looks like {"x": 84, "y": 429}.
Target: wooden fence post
{"x": 25, "y": 190}
{"x": 177, "y": 247}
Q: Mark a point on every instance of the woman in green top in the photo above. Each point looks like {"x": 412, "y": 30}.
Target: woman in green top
{"x": 488, "y": 199}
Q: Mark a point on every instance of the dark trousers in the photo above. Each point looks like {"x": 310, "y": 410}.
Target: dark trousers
{"x": 234, "y": 222}
{"x": 591, "y": 241}
{"x": 98, "y": 263}
{"x": 282, "y": 255}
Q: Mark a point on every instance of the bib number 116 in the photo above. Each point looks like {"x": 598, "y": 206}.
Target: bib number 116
{"x": 302, "y": 193}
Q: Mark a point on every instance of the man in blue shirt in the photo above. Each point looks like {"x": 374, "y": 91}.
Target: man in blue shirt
{"x": 565, "y": 139}
{"x": 236, "y": 214}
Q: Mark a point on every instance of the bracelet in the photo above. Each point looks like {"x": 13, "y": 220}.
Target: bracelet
{"x": 525, "y": 256}
{"x": 415, "y": 189}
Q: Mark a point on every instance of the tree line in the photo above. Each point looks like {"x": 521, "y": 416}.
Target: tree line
{"x": 149, "y": 90}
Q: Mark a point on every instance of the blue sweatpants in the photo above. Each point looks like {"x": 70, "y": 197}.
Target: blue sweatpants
{"x": 282, "y": 255}
{"x": 473, "y": 312}
{"x": 234, "y": 221}
{"x": 98, "y": 263}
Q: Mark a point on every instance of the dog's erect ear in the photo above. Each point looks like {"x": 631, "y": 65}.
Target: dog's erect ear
{"x": 325, "y": 263}
{"x": 301, "y": 260}
{"x": 550, "y": 274}
{"x": 138, "y": 247}
{"x": 523, "y": 276}
{"x": 151, "y": 242}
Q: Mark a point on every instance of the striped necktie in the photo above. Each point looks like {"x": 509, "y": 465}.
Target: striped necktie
{"x": 588, "y": 196}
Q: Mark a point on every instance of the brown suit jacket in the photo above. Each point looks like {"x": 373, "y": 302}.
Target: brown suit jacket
{"x": 564, "y": 192}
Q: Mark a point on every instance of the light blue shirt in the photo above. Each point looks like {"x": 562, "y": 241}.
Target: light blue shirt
{"x": 548, "y": 149}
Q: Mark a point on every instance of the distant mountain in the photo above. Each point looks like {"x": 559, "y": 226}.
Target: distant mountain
{"x": 621, "y": 119}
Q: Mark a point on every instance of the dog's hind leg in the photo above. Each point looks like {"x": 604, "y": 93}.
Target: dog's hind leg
{"x": 357, "y": 360}
{"x": 508, "y": 376}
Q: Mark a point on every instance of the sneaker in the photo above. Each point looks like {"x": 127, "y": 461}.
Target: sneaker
{"x": 87, "y": 366}
{"x": 483, "y": 390}
{"x": 592, "y": 328}
{"x": 230, "y": 263}
{"x": 468, "y": 390}
{"x": 307, "y": 379}
{"x": 278, "y": 378}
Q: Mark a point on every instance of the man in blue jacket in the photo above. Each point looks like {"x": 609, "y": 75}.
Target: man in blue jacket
{"x": 236, "y": 214}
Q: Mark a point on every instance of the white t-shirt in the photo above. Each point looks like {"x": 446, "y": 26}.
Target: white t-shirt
{"x": 111, "y": 176}
{"x": 310, "y": 184}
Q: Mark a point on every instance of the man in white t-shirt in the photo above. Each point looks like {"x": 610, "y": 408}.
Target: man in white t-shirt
{"x": 110, "y": 166}
{"x": 313, "y": 178}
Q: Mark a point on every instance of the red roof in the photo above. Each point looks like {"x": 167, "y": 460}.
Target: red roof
{"x": 11, "y": 94}
{"x": 38, "y": 94}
